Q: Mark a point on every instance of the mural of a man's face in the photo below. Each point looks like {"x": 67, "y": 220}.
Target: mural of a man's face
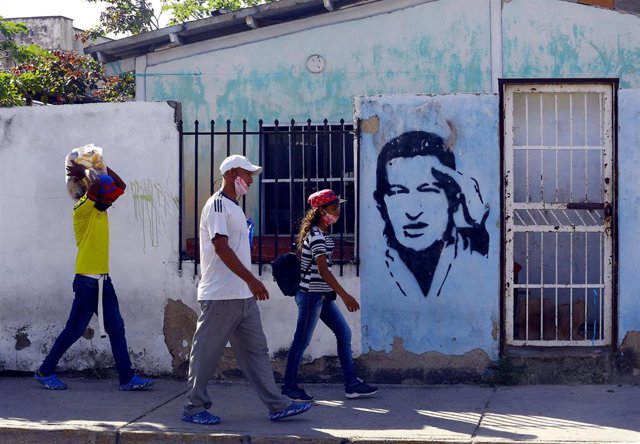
{"x": 418, "y": 196}
{"x": 416, "y": 206}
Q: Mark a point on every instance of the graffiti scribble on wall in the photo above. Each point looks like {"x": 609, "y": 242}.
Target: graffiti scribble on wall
{"x": 151, "y": 205}
{"x": 424, "y": 203}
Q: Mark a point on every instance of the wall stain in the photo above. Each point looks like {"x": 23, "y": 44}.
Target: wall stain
{"x": 370, "y": 125}
{"x": 22, "y": 338}
{"x": 151, "y": 206}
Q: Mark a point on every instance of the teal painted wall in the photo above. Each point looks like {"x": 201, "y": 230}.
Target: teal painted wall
{"x": 558, "y": 39}
{"x": 439, "y": 47}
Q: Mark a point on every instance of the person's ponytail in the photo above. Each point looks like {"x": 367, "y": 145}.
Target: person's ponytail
{"x": 311, "y": 218}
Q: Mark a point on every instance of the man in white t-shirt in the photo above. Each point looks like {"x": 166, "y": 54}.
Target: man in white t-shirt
{"x": 227, "y": 293}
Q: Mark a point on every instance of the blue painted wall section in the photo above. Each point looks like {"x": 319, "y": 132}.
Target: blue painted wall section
{"x": 628, "y": 209}
{"x": 458, "y": 310}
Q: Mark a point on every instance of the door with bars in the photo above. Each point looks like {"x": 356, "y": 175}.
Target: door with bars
{"x": 558, "y": 195}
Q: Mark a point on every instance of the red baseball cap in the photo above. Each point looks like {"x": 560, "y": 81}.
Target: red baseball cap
{"x": 324, "y": 197}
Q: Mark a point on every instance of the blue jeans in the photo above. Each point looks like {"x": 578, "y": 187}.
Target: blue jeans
{"x": 311, "y": 307}
{"x": 85, "y": 305}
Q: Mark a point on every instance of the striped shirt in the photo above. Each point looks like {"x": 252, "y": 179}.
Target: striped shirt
{"x": 315, "y": 244}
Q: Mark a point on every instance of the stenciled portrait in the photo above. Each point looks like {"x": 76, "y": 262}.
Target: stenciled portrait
{"x": 428, "y": 222}
{"x": 429, "y": 190}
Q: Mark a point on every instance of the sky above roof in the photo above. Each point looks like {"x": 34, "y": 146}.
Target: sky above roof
{"x": 83, "y": 13}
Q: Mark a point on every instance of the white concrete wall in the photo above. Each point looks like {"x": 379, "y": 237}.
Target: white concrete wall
{"x": 37, "y": 247}
{"x": 37, "y": 258}
{"x": 51, "y": 33}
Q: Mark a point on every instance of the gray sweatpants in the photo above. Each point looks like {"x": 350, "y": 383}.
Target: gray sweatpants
{"x": 236, "y": 321}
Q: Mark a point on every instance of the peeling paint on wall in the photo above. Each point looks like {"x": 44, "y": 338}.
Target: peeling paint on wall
{"x": 629, "y": 359}
{"x": 178, "y": 328}
{"x": 174, "y": 81}
{"x": 400, "y": 366}
{"x": 370, "y": 125}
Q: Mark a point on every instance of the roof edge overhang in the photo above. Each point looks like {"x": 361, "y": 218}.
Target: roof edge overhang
{"x": 239, "y": 23}
{"x": 218, "y": 25}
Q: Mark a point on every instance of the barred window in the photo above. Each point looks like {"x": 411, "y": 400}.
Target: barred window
{"x": 299, "y": 160}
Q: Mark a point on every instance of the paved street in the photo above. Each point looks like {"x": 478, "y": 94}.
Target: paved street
{"x": 93, "y": 410}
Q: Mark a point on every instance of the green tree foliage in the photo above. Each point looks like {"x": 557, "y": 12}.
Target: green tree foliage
{"x": 59, "y": 79}
{"x": 9, "y": 93}
{"x": 118, "y": 88}
{"x": 124, "y": 17}
{"x": 137, "y": 16}
{"x": 55, "y": 77}
{"x": 185, "y": 10}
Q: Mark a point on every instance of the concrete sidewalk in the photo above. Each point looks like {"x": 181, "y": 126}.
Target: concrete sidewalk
{"x": 93, "y": 410}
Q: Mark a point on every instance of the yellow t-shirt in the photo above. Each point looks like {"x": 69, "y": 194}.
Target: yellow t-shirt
{"x": 91, "y": 228}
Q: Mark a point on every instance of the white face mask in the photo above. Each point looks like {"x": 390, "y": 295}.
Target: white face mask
{"x": 241, "y": 187}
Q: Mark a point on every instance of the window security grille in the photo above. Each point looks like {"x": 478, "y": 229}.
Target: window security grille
{"x": 297, "y": 160}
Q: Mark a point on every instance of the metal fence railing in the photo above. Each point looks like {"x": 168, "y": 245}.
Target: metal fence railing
{"x": 297, "y": 159}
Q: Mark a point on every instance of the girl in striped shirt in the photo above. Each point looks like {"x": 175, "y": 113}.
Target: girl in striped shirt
{"x": 316, "y": 298}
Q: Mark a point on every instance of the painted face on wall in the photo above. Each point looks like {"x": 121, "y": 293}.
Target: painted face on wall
{"x": 416, "y": 206}
{"x": 418, "y": 195}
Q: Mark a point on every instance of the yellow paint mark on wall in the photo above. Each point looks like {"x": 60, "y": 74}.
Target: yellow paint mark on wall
{"x": 151, "y": 208}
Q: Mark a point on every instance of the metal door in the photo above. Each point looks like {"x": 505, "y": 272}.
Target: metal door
{"x": 558, "y": 195}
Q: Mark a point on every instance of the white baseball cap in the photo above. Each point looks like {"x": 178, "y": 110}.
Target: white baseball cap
{"x": 238, "y": 161}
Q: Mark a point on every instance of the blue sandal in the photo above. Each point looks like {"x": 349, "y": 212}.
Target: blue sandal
{"x": 203, "y": 417}
{"x": 52, "y": 382}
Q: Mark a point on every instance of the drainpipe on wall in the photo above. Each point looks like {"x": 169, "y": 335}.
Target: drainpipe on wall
{"x": 141, "y": 78}
{"x": 496, "y": 43}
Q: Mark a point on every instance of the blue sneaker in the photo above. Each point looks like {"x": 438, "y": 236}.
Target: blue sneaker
{"x": 137, "y": 383}
{"x": 297, "y": 394}
{"x": 202, "y": 417}
{"x": 296, "y": 408}
{"x": 51, "y": 382}
{"x": 359, "y": 390}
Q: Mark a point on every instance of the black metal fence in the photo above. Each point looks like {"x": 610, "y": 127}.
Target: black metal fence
{"x": 297, "y": 159}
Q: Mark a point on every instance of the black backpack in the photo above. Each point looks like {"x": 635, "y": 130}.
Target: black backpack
{"x": 286, "y": 272}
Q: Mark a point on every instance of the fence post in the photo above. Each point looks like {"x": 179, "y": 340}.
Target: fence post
{"x": 260, "y": 228}
{"x": 196, "y": 234}
{"x": 180, "y": 197}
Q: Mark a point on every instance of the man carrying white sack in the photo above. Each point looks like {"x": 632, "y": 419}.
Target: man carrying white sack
{"x": 92, "y": 280}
